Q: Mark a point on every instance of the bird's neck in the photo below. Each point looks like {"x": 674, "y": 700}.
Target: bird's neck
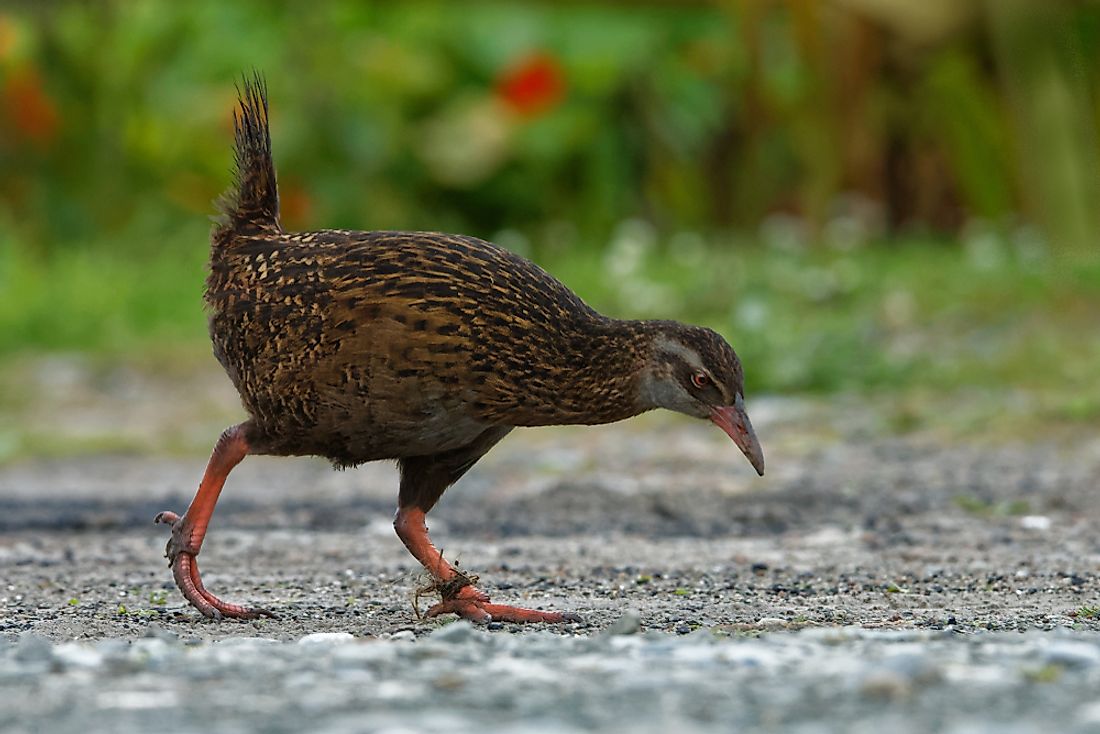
{"x": 595, "y": 376}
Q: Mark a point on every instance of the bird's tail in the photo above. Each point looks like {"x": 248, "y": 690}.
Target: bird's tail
{"x": 252, "y": 202}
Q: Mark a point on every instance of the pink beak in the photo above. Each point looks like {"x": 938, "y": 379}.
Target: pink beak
{"x": 735, "y": 422}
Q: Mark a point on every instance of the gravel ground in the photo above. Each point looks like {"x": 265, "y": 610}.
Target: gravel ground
{"x": 458, "y": 679}
{"x": 865, "y": 583}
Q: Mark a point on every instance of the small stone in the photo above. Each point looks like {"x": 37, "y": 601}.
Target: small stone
{"x": 154, "y": 651}
{"x": 117, "y": 659}
{"x": 1089, "y": 713}
{"x": 458, "y": 631}
{"x": 326, "y": 638}
{"x": 33, "y": 649}
{"x": 885, "y": 684}
{"x": 916, "y": 668}
{"x": 628, "y": 624}
{"x": 244, "y": 643}
{"x": 832, "y": 636}
{"x": 156, "y": 632}
{"x": 403, "y": 635}
{"x": 450, "y": 682}
{"x": 75, "y": 655}
{"x": 1035, "y": 522}
{"x": 772, "y": 623}
{"x": 1071, "y": 654}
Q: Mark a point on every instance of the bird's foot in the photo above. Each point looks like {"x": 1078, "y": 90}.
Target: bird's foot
{"x": 185, "y": 568}
{"x": 470, "y": 603}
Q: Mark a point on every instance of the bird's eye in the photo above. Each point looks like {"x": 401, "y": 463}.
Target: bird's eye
{"x": 700, "y": 380}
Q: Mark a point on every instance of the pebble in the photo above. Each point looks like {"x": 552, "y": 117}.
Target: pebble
{"x": 154, "y": 630}
{"x": 1035, "y": 522}
{"x": 628, "y": 624}
{"x": 326, "y": 638}
{"x": 1072, "y": 654}
{"x": 458, "y": 631}
{"x": 771, "y": 623}
{"x": 74, "y": 656}
{"x": 886, "y": 684}
{"x": 33, "y": 649}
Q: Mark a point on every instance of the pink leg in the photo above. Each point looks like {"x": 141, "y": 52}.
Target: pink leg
{"x": 459, "y": 597}
{"x": 188, "y": 531}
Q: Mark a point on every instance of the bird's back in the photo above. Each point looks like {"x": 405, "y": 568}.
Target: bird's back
{"x": 366, "y": 345}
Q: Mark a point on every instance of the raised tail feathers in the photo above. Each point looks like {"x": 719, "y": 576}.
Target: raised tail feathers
{"x": 253, "y": 199}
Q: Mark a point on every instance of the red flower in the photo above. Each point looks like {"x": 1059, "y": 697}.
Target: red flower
{"x": 29, "y": 108}
{"x": 533, "y": 85}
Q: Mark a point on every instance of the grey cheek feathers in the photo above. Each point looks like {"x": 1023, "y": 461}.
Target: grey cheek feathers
{"x": 659, "y": 387}
{"x": 662, "y": 391}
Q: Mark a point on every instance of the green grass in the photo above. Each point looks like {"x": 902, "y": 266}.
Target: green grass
{"x": 985, "y": 508}
{"x": 102, "y": 298}
{"x": 922, "y": 319}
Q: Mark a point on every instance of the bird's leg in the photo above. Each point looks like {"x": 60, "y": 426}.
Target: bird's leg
{"x": 460, "y": 596}
{"x": 188, "y": 531}
{"x": 413, "y": 531}
{"x": 423, "y": 481}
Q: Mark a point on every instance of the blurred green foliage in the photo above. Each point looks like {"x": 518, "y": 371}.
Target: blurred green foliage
{"x": 556, "y": 120}
{"x": 992, "y": 315}
{"x": 385, "y": 115}
{"x": 862, "y": 194}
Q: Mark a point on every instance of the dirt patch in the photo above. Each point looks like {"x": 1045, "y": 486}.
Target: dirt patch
{"x": 659, "y": 516}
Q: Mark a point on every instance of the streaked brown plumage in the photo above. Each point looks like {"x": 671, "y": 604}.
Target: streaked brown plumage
{"x": 422, "y": 347}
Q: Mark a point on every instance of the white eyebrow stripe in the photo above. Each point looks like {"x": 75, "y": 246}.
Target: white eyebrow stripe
{"x": 664, "y": 344}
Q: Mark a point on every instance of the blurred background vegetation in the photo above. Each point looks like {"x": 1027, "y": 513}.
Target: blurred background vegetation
{"x": 861, "y": 194}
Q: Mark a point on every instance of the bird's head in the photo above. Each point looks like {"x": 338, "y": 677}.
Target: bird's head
{"x": 694, "y": 371}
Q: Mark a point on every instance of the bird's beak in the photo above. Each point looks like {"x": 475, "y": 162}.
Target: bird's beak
{"x": 735, "y": 421}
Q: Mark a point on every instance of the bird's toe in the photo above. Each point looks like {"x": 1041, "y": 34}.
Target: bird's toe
{"x": 167, "y": 517}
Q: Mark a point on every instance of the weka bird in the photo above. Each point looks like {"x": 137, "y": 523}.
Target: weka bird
{"x": 422, "y": 347}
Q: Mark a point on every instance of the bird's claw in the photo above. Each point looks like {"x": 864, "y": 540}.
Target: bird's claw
{"x": 176, "y": 544}
{"x": 166, "y": 517}
{"x": 185, "y": 570}
{"x": 473, "y": 604}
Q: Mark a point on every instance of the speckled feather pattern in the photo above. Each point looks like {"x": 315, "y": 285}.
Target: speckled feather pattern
{"x": 369, "y": 345}
{"x": 359, "y": 346}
